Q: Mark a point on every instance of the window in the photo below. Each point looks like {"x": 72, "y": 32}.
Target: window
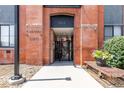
{"x": 117, "y": 30}
{"x": 113, "y": 14}
{"x": 4, "y": 35}
{"x": 111, "y": 31}
{"x": 62, "y": 21}
{"x": 7, "y": 35}
{"x": 108, "y": 32}
{"x": 7, "y": 25}
{"x": 12, "y": 34}
{"x": 112, "y": 21}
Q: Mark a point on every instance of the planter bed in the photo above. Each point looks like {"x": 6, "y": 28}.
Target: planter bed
{"x": 113, "y": 75}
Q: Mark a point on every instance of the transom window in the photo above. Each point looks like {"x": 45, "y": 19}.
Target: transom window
{"x": 62, "y": 21}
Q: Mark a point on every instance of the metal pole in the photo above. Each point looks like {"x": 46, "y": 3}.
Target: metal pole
{"x": 16, "y": 48}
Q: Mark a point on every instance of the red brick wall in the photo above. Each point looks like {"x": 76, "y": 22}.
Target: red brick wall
{"x": 6, "y": 56}
{"x": 89, "y": 34}
{"x": 22, "y": 34}
{"x": 100, "y": 26}
{"x": 35, "y": 38}
{"x": 92, "y": 38}
{"x": 34, "y": 34}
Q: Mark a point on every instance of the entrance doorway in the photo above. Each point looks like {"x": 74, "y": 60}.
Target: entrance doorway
{"x": 62, "y": 27}
{"x": 63, "y": 48}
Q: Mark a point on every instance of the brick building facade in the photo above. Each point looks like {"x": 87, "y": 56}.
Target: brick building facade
{"x": 44, "y": 29}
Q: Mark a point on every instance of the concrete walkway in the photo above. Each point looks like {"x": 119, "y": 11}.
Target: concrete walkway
{"x": 62, "y": 75}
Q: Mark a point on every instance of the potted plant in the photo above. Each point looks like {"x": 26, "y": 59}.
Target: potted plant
{"x": 101, "y": 57}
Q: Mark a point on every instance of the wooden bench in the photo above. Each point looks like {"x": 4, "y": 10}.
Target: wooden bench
{"x": 113, "y": 75}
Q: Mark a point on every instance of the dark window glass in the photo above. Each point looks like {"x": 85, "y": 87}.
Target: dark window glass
{"x": 113, "y": 14}
{"x": 111, "y": 31}
{"x": 62, "y": 21}
{"x": 108, "y": 32}
{"x": 7, "y": 14}
{"x": 112, "y": 21}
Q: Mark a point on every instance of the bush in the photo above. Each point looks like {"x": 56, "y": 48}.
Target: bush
{"x": 102, "y": 54}
{"x": 115, "y": 46}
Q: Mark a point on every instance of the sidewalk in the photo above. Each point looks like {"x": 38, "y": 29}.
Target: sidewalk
{"x": 62, "y": 75}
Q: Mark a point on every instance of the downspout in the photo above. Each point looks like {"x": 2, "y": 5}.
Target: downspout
{"x": 81, "y": 64}
{"x": 122, "y": 20}
{"x": 98, "y": 28}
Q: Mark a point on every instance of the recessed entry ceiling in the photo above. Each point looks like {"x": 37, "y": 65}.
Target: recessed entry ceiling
{"x": 63, "y": 31}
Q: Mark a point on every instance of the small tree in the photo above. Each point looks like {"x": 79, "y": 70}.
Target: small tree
{"x": 115, "y": 46}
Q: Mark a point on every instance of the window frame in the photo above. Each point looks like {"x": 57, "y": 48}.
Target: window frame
{"x": 16, "y": 22}
{"x": 8, "y": 37}
{"x": 113, "y": 29}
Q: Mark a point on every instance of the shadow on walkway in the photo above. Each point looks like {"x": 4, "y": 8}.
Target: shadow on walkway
{"x": 62, "y": 74}
{"x": 51, "y": 79}
{"x": 62, "y": 63}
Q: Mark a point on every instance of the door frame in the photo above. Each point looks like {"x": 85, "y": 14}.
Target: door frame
{"x": 47, "y": 30}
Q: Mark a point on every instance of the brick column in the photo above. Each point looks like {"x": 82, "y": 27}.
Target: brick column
{"x": 100, "y": 26}
{"x": 46, "y": 39}
{"x": 34, "y": 34}
{"x": 22, "y": 33}
{"x": 76, "y": 38}
{"x": 89, "y": 27}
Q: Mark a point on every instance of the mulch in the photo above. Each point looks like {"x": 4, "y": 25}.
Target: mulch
{"x": 6, "y": 71}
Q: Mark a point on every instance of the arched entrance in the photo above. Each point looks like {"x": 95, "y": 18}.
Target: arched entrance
{"x": 62, "y": 27}
{"x": 48, "y": 33}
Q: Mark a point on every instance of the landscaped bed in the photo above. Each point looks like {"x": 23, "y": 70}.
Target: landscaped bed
{"x": 110, "y": 61}
{"x": 114, "y": 76}
{"x": 103, "y": 82}
{"x": 6, "y": 71}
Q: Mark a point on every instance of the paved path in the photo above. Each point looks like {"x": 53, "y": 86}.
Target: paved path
{"x": 62, "y": 75}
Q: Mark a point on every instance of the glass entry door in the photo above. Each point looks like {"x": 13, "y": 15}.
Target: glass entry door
{"x": 63, "y": 48}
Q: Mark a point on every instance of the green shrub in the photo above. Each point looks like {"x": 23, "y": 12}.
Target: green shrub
{"x": 102, "y": 54}
{"x": 115, "y": 46}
